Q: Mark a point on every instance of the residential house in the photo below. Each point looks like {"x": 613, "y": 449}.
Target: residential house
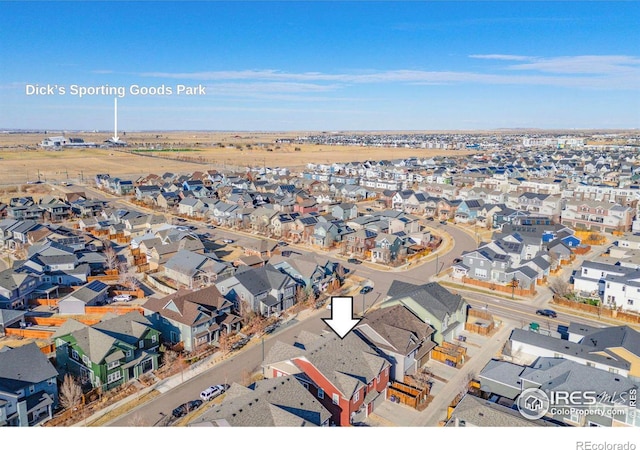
{"x": 404, "y": 339}
{"x": 17, "y": 288}
{"x": 344, "y": 211}
{"x": 345, "y": 375}
{"x": 507, "y": 381}
{"x": 264, "y": 290}
{"x": 387, "y": 248}
{"x": 614, "y": 349}
{"x": 28, "y": 386}
{"x": 112, "y": 352}
{"x": 193, "y": 317}
{"x": 597, "y": 216}
{"x": 276, "y": 402}
{"x": 434, "y": 305}
{"x": 192, "y": 270}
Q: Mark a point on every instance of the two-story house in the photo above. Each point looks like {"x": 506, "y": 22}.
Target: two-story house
{"x": 112, "y": 352}
{"x": 28, "y": 386}
{"x": 193, "y": 317}
{"x": 345, "y": 375}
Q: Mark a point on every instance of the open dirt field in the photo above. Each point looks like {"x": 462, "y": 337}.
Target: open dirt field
{"x": 22, "y": 160}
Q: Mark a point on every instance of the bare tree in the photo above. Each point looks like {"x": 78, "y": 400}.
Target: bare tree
{"x": 70, "y": 392}
{"x": 559, "y": 287}
{"x": 128, "y": 277}
{"x": 111, "y": 257}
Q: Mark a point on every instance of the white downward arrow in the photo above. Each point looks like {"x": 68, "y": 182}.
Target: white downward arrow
{"x": 342, "y": 321}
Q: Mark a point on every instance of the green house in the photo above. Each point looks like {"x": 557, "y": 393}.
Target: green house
{"x": 110, "y": 353}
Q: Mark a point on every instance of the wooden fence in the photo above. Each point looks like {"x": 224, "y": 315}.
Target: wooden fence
{"x": 57, "y": 321}
{"x": 484, "y": 328}
{"x": 599, "y": 311}
{"x": 501, "y": 287}
{"x": 116, "y": 309}
{"x": 103, "y": 278}
{"x": 450, "y": 354}
{"x": 28, "y": 333}
{"x": 44, "y": 301}
{"x": 407, "y": 394}
{"x": 581, "y": 250}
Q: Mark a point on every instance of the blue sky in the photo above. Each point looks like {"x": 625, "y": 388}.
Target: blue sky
{"x": 324, "y": 65}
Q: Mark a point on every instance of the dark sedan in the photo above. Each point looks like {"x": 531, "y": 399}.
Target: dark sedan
{"x": 547, "y": 313}
{"x": 366, "y": 290}
{"x": 186, "y": 408}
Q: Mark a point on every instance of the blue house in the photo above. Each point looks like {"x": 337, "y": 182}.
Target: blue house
{"x": 28, "y": 387}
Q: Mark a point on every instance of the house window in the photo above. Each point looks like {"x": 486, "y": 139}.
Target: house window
{"x": 32, "y": 389}
{"x": 612, "y": 370}
{"x": 557, "y": 355}
{"x": 128, "y": 353}
{"x": 141, "y": 344}
{"x": 113, "y": 364}
{"x": 115, "y": 376}
{"x": 336, "y": 399}
{"x": 74, "y": 354}
{"x": 154, "y": 338}
{"x": 60, "y": 342}
{"x": 305, "y": 384}
{"x": 590, "y": 364}
{"x": 320, "y": 393}
{"x": 630, "y": 302}
{"x": 86, "y": 360}
{"x": 356, "y": 396}
{"x": 51, "y": 381}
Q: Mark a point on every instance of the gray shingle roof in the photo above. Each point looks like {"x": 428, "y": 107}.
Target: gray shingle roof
{"x": 23, "y": 366}
{"x": 430, "y": 296}
{"x": 281, "y": 401}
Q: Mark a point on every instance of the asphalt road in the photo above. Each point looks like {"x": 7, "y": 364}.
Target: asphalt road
{"x": 246, "y": 361}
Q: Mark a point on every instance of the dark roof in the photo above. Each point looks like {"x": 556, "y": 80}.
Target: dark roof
{"x": 280, "y": 401}
{"x": 431, "y": 296}
{"x": 24, "y": 366}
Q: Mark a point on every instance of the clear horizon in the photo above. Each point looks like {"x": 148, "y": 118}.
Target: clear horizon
{"x": 317, "y": 66}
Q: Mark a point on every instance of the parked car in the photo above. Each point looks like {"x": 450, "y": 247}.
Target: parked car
{"x": 547, "y": 313}
{"x": 354, "y": 261}
{"x": 186, "y": 408}
{"x": 213, "y": 391}
{"x": 122, "y": 298}
{"x": 443, "y": 222}
{"x": 369, "y": 209}
{"x": 271, "y": 328}
{"x": 282, "y": 244}
{"x": 366, "y": 289}
{"x": 241, "y": 343}
{"x": 228, "y": 241}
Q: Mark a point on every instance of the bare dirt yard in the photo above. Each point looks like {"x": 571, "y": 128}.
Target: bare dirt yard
{"x": 22, "y": 160}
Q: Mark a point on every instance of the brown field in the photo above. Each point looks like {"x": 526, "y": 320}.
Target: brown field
{"x": 22, "y": 160}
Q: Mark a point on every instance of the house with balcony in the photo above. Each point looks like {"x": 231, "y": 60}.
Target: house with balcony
{"x": 597, "y": 216}
{"x": 193, "y": 317}
{"x": 110, "y": 353}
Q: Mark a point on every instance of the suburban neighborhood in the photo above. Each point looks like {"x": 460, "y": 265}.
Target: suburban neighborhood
{"x": 472, "y": 280}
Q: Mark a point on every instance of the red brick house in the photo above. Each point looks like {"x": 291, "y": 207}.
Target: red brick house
{"x": 345, "y": 375}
